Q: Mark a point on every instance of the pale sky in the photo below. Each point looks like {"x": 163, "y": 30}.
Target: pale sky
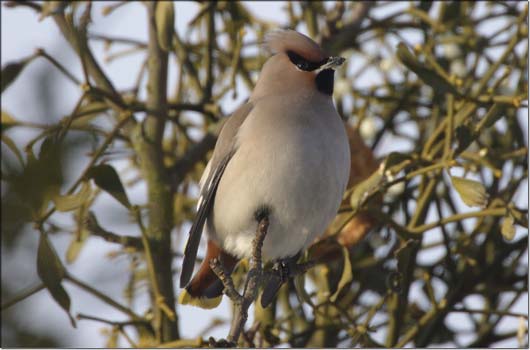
{"x": 21, "y": 34}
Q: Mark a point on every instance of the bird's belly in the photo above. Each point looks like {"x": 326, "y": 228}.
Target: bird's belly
{"x": 300, "y": 184}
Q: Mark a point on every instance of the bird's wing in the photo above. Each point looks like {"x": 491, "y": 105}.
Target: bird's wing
{"x": 223, "y": 152}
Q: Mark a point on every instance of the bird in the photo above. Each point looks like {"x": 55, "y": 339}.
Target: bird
{"x": 283, "y": 153}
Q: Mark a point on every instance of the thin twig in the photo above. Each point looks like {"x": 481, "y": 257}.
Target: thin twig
{"x": 23, "y": 295}
{"x": 99, "y": 152}
{"x": 489, "y": 312}
{"x": 44, "y": 54}
{"x": 427, "y": 317}
{"x": 115, "y": 39}
{"x": 102, "y": 296}
{"x": 95, "y": 229}
{"x": 119, "y": 325}
{"x": 229, "y": 288}
{"x": 81, "y": 316}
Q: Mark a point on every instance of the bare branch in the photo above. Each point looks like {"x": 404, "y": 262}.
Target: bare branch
{"x": 339, "y": 40}
{"x": 23, "y": 295}
{"x": 252, "y": 283}
{"x": 95, "y": 229}
{"x": 229, "y": 288}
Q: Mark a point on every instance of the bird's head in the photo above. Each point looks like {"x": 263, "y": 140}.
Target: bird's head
{"x": 297, "y": 63}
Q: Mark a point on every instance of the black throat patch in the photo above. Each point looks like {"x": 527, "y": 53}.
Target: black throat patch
{"x": 324, "y": 81}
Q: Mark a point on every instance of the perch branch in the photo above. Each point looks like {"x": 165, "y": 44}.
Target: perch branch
{"x": 252, "y": 283}
{"x": 230, "y": 290}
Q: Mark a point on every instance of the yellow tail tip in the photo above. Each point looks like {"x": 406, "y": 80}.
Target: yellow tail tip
{"x": 186, "y": 298}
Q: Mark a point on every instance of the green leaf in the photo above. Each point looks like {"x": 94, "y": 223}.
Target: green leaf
{"x": 49, "y": 147}
{"x": 473, "y": 193}
{"x": 495, "y": 113}
{"x": 346, "y": 276}
{"x": 508, "y": 228}
{"x": 427, "y": 75}
{"x": 108, "y": 180}
{"x": 405, "y": 256}
{"x": 71, "y": 202}
{"x": 364, "y": 189}
{"x": 464, "y": 137}
{"x": 81, "y": 233}
{"x": 41, "y": 178}
{"x": 75, "y": 246}
{"x": 49, "y": 266}
{"x": 395, "y": 158}
{"x": 63, "y": 299}
{"x": 7, "y": 120}
{"x": 51, "y": 271}
{"x": 48, "y": 166}
{"x": 32, "y": 187}
{"x": 299, "y": 284}
{"x": 11, "y": 71}
{"x": 112, "y": 340}
{"x": 165, "y": 22}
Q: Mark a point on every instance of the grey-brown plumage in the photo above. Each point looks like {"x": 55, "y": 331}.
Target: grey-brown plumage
{"x": 222, "y": 153}
{"x": 285, "y": 150}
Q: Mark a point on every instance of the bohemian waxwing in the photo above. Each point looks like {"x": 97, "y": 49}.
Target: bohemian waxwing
{"x": 283, "y": 153}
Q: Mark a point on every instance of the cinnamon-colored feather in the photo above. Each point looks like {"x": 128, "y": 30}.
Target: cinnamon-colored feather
{"x": 363, "y": 164}
{"x": 205, "y": 289}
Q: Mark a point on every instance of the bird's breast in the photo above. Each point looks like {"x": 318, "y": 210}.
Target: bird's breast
{"x": 293, "y": 161}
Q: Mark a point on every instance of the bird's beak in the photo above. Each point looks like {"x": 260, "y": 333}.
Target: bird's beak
{"x": 332, "y": 63}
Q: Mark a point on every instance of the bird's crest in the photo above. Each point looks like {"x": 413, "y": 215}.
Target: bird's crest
{"x": 283, "y": 40}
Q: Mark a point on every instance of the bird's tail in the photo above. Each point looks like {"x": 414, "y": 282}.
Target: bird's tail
{"x": 205, "y": 290}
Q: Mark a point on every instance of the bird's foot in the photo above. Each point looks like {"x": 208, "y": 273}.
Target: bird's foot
{"x": 281, "y": 272}
{"x": 220, "y": 343}
{"x": 289, "y": 268}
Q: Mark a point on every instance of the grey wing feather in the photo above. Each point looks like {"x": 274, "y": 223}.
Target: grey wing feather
{"x": 190, "y": 253}
{"x": 224, "y": 149}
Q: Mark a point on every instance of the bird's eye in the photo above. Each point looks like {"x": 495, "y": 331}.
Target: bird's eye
{"x": 301, "y": 63}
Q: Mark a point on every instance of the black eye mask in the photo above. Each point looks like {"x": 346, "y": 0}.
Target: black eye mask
{"x": 304, "y": 64}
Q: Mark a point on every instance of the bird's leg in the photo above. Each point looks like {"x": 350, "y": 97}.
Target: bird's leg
{"x": 281, "y": 269}
{"x": 289, "y": 268}
{"x": 293, "y": 268}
